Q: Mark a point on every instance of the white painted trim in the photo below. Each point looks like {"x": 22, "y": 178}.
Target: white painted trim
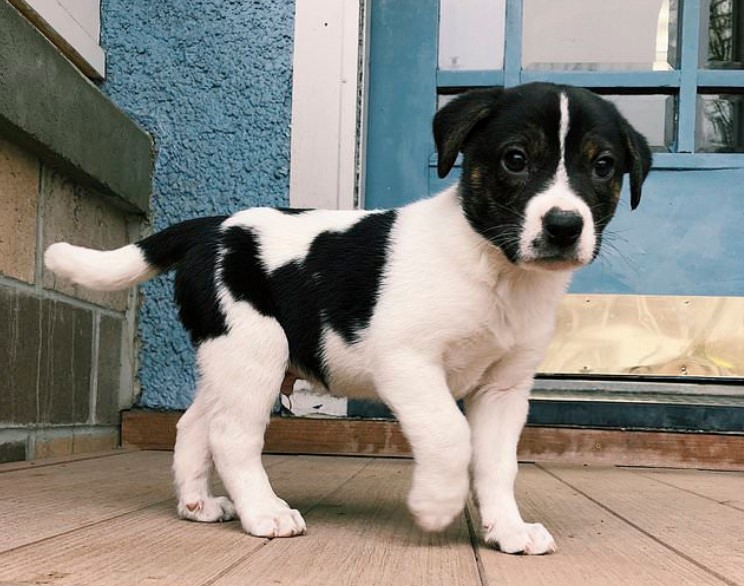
{"x": 78, "y": 42}
{"x": 326, "y": 117}
{"x": 363, "y": 100}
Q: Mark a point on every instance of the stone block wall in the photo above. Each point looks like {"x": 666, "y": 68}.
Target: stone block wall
{"x": 66, "y": 354}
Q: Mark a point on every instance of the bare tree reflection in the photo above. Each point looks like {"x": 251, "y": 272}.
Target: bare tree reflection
{"x": 721, "y": 123}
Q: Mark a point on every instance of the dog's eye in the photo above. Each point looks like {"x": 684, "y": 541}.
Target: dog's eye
{"x": 603, "y": 166}
{"x": 514, "y": 160}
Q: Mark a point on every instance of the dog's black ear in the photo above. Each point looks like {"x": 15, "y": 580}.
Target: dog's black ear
{"x": 453, "y": 123}
{"x": 639, "y": 161}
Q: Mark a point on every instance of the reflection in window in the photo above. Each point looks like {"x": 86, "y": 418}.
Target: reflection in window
{"x": 724, "y": 21}
{"x": 651, "y": 115}
{"x": 720, "y": 126}
{"x": 471, "y": 34}
{"x": 600, "y": 35}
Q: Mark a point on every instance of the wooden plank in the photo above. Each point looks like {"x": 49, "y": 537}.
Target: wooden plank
{"x": 726, "y": 488}
{"x": 152, "y": 545}
{"x": 41, "y": 503}
{"x": 156, "y": 430}
{"x": 149, "y": 430}
{"x": 633, "y": 448}
{"x": 53, "y": 461}
{"x": 336, "y": 437}
{"x": 594, "y": 546}
{"x": 692, "y": 525}
{"x": 363, "y": 535}
{"x": 147, "y": 546}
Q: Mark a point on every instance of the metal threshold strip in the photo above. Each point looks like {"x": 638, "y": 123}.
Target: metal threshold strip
{"x": 641, "y": 390}
{"x": 614, "y": 403}
{"x": 638, "y": 405}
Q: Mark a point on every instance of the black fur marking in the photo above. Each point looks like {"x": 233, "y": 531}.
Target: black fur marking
{"x": 195, "y": 291}
{"x": 293, "y": 211}
{"x": 243, "y": 272}
{"x": 165, "y": 249}
{"x": 336, "y": 285}
{"x": 346, "y": 269}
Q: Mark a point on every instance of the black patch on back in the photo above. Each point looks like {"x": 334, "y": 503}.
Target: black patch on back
{"x": 243, "y": 272}
{"x": 195, "y": 290}
{"x": 346, "y": 269}
{"x": 293, "y": 211}
{"x": 165, "y": 249}
{"x": 336, "y": 285}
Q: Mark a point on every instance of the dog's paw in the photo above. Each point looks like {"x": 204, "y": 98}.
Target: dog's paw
{"x": 527, "y": 538}
{"x": 434, "y": 507}
{"x": 207, "y": 510}
{"x": 274, "y": 520}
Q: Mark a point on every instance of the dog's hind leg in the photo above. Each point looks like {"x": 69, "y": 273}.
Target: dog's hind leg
{"x": 241, "y": 373}
{"x": 192, "y": 468}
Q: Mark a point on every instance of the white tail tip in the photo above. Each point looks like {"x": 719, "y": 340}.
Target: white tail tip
{"x": 111, "y": 270}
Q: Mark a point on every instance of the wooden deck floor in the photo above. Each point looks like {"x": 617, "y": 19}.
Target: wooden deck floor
{"x": 111, "y": 520}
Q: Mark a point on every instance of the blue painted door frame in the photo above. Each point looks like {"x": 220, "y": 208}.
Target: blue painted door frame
{"x": 402, "y": 100}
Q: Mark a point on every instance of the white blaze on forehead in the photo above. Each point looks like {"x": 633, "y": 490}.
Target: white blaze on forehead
{"x": 562, "y": 134}
{"x": 558, "y": 194}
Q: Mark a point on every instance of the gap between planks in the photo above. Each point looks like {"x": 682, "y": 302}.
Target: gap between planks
{"x": 613, "y": 526}
{"x": 595, "y": 546}
{"x": 695, "y": 527}
{"x": 352, "y": 503}
{"x": 57, "y": 460}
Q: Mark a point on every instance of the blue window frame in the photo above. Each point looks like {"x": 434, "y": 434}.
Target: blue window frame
{"x": 686, "y": 82}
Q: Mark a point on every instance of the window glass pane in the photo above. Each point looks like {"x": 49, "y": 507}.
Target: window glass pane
{"x": 722, "y": 24}
{"x": 600, "y": 34}
{"x": 471, "y": 34}
{"x": 652, "y": 116}
{"x": 720, "y": 127}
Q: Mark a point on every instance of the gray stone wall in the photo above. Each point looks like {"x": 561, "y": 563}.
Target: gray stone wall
{"x": 66, "y": 354}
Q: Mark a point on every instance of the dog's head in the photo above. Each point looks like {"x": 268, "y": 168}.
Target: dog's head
{"x": 542, "y": 169}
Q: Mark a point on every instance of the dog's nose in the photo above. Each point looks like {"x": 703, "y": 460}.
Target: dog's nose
{"x": 561, "y": 227}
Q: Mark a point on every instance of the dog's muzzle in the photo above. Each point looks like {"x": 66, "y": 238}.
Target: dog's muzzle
{"x": 558, "y": 243}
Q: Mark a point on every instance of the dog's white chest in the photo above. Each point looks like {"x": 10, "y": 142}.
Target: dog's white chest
{"x": 467, "y": 359}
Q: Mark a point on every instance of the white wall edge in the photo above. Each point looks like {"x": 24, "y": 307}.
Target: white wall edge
{"x": 325, "y": 107}
{"x": 61, "y": 28}
{"x": 362, "y": 101}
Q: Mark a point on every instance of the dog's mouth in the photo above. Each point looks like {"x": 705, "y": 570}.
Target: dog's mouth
{"x": 552, "y": 263}
{"x": 545, "y": 256}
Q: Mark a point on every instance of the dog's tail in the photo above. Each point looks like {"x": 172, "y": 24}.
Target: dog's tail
{"x": 113, "y": 270}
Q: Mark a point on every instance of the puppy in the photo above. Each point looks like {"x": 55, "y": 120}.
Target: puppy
{"x": 447, "y": 298}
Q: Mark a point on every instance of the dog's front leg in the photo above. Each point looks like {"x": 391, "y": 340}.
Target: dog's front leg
{"x": 497, "y": 416}
{"x": 416, "y": 390}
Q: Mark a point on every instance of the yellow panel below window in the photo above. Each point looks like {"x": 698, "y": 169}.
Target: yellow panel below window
{"x": 648, "y": 335}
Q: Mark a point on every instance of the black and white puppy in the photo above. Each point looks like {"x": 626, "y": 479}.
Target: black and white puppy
{"x": 452, "y": 297}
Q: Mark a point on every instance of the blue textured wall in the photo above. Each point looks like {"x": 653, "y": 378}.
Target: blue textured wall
{"x": 211, "y": 80}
